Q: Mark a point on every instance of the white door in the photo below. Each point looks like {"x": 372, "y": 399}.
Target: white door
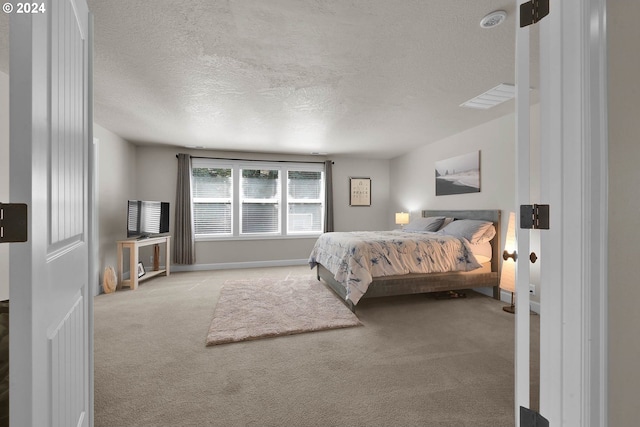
{"x": 573, "y": 182}
{"x": 522, "y": 185}
{"x": 50, "y": 127}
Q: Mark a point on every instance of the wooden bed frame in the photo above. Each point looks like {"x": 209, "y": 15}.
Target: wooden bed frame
{"x": 431, "y": 282}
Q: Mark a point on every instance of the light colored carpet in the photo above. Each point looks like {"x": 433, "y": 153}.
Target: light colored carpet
{"x": 270, "y": 307}
{"x": 417, "y": 361}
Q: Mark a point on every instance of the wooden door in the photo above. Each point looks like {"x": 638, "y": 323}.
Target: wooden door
{"x": 50, "y": 128}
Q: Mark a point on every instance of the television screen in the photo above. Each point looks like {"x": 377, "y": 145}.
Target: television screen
{"x": 146, "y": 218}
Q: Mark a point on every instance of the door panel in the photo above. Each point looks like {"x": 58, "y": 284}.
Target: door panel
{"x": 50, "y": 295}
{"x": 573, "y": 178}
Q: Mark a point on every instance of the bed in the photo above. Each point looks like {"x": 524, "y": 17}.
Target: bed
{"x": 470, "y": 273}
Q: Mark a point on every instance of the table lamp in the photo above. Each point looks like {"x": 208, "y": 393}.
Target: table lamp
{"x": 402, "y": 218}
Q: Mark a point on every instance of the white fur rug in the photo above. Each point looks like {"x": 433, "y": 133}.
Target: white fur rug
{"x": 261, "y": 308}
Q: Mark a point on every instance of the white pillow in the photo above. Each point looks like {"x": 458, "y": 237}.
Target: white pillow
{"x": 431, "y": 223}
{"x": 475, "y": 231}
{"x": 448, "y": 220}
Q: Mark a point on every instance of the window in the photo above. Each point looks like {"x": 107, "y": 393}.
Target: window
{"x": 305, "y": 201}
{"x": 260, "y": 201}
{"x": 240, "y": 199}
{"x": 212, "y": 200}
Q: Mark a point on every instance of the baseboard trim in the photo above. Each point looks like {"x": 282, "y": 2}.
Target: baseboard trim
{"x": 506, "y": 297}
{"x": 239, "y": 265}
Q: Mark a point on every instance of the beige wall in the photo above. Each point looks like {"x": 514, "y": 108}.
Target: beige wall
{"x": 116, "y": 184}
{"x": 624, "y": 211}
{"x": 412, "y": 175}
{"x": 359, "y": 218}
{"x": 4, "y": 178}
{"x": 156, "y": 169}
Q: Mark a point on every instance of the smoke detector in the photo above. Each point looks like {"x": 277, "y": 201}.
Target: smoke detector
{"x": 493, "y": 19}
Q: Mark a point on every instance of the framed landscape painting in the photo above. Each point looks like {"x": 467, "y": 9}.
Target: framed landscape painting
{"x": 458, "y": 175}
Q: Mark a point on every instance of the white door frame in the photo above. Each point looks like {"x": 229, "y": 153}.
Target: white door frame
{"x": 522, "y": 197}
{"x": 94, "y": 220}
{"x": 573, "y": 317}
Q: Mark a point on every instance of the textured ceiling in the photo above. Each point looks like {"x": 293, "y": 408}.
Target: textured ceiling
{"x": 369, "y": 78}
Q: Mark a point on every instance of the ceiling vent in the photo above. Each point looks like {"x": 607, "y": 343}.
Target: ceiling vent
{"x": 491, "y": 98}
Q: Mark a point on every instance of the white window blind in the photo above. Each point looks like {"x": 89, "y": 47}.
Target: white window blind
{"x": 305, "y": 201}
{"x": 212, "y": 190}
{"x": 260, "y": 201}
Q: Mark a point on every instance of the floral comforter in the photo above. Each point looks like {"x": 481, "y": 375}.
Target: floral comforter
{"x": 355, "y": 258}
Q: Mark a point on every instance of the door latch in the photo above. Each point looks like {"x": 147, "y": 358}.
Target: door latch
{"x": 534, "y": 217}
{"x": 13, "y": 222}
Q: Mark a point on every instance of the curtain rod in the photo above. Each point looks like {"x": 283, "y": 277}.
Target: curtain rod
{"x": 255, "y": 160}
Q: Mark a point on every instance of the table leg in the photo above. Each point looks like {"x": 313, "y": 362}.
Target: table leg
{"x": 167, "y": 260}
{"x": 133, "y": 260}
{"x": 156, "y": 257}
{"x": 120, "y": 275}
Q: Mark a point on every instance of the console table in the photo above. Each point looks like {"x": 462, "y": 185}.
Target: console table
{"x": 133, "y": 245}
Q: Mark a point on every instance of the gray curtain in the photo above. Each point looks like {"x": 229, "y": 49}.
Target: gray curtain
{"x": 185, "y": 248}
{"x": 328, "y": 196}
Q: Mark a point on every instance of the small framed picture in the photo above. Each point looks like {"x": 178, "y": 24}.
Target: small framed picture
{"x": 141, "y": 271}
{"x": 359, "y": 191}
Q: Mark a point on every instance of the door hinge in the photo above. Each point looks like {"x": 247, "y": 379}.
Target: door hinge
{"x": 534, "y": 217}
{"x": 533, "y": 11}
{"x": 13, "y": 222}
{"x": 529, "y": 418}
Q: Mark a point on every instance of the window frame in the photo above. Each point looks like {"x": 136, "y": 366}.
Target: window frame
{"x": 289, "y": 200}
{"x": 277, "y": 200}
{"x": 283, "y": 199}
{"x": 204, "y": 200}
